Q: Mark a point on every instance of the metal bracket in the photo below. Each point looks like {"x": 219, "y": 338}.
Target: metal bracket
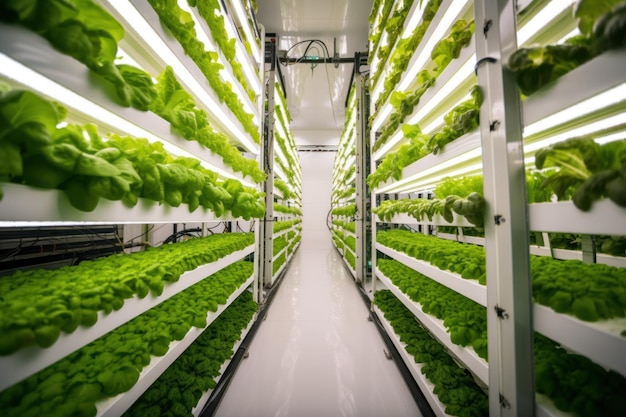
{"x": 493, "y": 126}
{"x": 482, "y": 61}
{"x": 387, "y": 354}
{"x": 501, "y": 313}
{"x": 487, "y": 26}
{"x": 499, "y": 219}
{"x": 504, "y": 403}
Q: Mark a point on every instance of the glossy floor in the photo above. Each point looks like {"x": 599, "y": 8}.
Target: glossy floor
{"x": 316, "y": 354}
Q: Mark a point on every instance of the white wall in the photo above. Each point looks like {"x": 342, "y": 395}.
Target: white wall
{"x": 317, "y": 168}
{"x": 317, "y": 137}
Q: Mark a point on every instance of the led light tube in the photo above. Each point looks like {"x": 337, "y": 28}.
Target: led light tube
{"x": 24, "y": 75}
{"x": 432, "y": 181}
{"x": 243, "y": 19}
{"x": 466, "y": 70}
{"x": 416, "y": 17}
{"x": 209, "y": 46}
{"x": 545, "y": 16}
{"x": 608, "y": 98}
{"x": 601, "y": 140}
{"x": 239, "y": 52}
{"x": 136, "y": 20}
{"x": 446, "y": 21}
{"x": 579, "y": 131}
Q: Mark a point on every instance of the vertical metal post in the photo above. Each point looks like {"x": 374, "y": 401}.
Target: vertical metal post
{"x": 509, "y": 302}
{"x": 265, "y": 229}
{"x": 362, "y": 159}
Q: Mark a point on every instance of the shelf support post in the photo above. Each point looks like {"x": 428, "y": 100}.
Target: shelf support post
{"x": 362, "y": 159}
{"x": 509, "y": 302}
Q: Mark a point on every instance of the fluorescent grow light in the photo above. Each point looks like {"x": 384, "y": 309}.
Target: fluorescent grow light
{"x": 243, "y": 18}
{"x": 606, "y": 99}
{"x": 543, "y": 18}
{"x": 211, "y": 47}
{"x": 586, "y": 129}
{"x": 150, "y": 37}
{"x": 25, "y": 76}
{"x": 446, "y": 21}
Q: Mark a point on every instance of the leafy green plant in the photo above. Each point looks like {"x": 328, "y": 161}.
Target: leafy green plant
{"x": 347, "y": 211}
{"x": 74, "y": 296}
{"x": 443, "y": 53}
{"x": 39, "y": 154}
{"x": 586, "y": 170}
{"x": 179, "y": 388}
{"x": 590, "y": 292}
{"x": 602, "y": 25}
{"x": 182, "y": 27}
{"x": 459, "y": 121}
{"x": 454, "y": 386}
{"x": 86, "y": 32}
{"x": 287, "y": 210}
{"x": 174, "y": 104}
{"x": 403, "y": 52}
{"x": 215, "y": 22}
{"x": 111, "y": 364}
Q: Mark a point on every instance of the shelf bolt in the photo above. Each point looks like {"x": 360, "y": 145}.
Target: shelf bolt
{"x": 499, "y": 219}
{"x": 501, "y": 313}
{"x": 487, "y": 26}
{"x": 504, "y": 403}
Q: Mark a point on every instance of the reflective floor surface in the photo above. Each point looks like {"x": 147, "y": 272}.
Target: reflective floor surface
{"x": 316, "y": 354}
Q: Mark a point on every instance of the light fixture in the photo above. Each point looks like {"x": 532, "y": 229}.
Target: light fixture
{"x": 242, "y": 16}
{"x": 444, "y": 24}
{"x": 602, "y": 100}
{"x": 26, "y": 76}
{"x": 135, "y": 20}
{"x": 586, "y": 129}
{"x": 209, "y": 46}
{"x": 450, "y": 163}
{"x": 543, "y": 18}
{"x": 414, "y": 19}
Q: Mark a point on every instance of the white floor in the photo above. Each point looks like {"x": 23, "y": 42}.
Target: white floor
{"x": 316, "y": 354}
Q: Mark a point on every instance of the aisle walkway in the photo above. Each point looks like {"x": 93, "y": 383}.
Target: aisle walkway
{"x": 316, "y": 354}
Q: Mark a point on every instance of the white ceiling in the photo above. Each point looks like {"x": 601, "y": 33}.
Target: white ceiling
{"x": 316, "y": 95}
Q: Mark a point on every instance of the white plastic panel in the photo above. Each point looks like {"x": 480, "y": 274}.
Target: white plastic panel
{"x": 467, "y": 356}
{"x": 116, "y": 406}
{"x": 469, "y": 288}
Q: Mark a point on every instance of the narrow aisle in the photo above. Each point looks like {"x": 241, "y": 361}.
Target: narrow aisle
{"x": 316, "y": 354}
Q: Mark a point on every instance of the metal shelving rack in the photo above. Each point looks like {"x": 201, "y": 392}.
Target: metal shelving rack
{"x": 571, "y": 106}
{"x": 30, "y": 62}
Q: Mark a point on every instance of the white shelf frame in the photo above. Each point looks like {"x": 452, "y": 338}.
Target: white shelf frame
{"x": 31, "y": 360}
{"x": 62, "y": 70}
{"x": 468, "y": 288}
{"x": 53, "y": 206}
{"x": 466, "y": 355}
{"x": 206, "y": 395}
{"x": 414, "y": 368}
{"x": 116, "y": 406}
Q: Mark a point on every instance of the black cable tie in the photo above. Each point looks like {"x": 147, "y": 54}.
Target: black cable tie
{"x": 482, "y": 61}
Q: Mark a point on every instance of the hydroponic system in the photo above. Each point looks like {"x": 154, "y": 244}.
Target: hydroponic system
{"x": 497, "y": 143}
{"x": 138, "y": 113}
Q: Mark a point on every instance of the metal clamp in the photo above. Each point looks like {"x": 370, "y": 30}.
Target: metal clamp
{"x": 482, "y": 61}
